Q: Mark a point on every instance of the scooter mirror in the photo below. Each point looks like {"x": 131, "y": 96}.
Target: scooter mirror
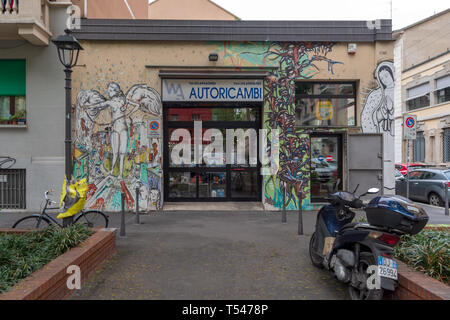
{"x": 373, "y": 190}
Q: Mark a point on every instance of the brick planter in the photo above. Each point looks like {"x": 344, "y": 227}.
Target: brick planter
{"x": 49, "y": 282}
{"x": 415, "y": 285}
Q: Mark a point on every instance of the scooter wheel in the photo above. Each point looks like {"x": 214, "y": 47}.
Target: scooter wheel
{"x": 365, "y": 260}
{"x": 316, "y": 259}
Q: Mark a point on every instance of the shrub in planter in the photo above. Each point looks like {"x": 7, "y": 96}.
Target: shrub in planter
{"x": 23, "y": 254}
{"x": 428, "y": 252}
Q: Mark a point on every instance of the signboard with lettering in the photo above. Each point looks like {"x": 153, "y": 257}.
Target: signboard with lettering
{"x": 409, "y": 127}
{"x": 212, "y": 90}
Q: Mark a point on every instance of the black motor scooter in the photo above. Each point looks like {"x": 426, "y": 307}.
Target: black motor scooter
{"x": 361, "y": 254}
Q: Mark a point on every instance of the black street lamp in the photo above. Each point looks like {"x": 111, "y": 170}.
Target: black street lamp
{"x": 68, "y": 50}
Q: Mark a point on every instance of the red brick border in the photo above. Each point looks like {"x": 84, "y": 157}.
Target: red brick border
{"x": 415, "y": 285}
{"x": 49, "y": 283}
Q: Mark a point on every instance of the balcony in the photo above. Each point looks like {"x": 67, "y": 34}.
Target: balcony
{"x": 25, "y": 19}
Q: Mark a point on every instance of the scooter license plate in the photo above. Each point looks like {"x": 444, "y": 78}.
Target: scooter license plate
{"x": 387, "y": 268}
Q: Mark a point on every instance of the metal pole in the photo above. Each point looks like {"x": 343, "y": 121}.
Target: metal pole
{"x": 137, "y": 206}
{"x": 407, "y": 171}
{"x": 283, "y": 215}
{"x": 122, "y": 220}
{"x": 446, "y": 197}
{"x": 68, "y": 139}
{"x": 300, "y": 214}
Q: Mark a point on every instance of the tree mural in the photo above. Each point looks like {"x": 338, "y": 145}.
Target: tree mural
{"x": 294, "y": 61}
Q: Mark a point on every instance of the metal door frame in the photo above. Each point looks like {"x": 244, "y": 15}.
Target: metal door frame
{"x": 206, "y": 125}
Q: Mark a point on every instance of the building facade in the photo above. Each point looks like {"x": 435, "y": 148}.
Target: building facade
{"x": 188, "y": 10}
{"x": 31, "y": 102}
{"x": 423, "y": 62}
{"x": 142, "y": 89}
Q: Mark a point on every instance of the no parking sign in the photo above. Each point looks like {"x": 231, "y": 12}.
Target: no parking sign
{"x": 409, "y": 127}
{"x": 155, "y": 128}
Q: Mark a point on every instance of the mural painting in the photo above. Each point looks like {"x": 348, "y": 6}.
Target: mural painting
{"x": 118, "y": 146}
{"x": 294, "y": 61}
{"x": 377, "y": 115}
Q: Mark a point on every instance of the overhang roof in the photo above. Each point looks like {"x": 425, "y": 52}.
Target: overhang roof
{"x": 207, "y": 30}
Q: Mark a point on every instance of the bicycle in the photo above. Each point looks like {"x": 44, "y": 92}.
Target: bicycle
{"x": 90, "y": 218}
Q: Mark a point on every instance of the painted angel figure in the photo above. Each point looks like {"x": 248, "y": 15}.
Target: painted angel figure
{"x": 378, "y": 111}
{"x": 140, "y": 96}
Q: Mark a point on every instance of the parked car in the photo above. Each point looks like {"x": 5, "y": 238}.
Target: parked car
{"x": 425, "y": 185}
{"x": 412, "y": 166}
{"x": 398, "y": 174}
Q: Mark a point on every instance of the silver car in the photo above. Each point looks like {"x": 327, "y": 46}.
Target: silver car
{"x": 425, "y": 185}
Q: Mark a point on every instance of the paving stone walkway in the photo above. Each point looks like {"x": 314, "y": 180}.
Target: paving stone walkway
{"x": 212, "y": 255}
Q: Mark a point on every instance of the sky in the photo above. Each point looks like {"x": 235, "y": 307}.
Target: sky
{"x": 404, "y": 12}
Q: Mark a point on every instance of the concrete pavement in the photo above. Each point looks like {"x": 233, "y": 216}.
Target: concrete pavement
{"x": 213, "y": 255}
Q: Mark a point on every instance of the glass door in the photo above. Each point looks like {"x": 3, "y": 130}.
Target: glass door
{"x": 326, "y": 165}
{"x": 215, "y": 179}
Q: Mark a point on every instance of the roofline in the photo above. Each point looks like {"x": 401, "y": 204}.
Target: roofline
{"x": 422, "y": 21}
{"x": 235, "y": 16}
{"x": 212, "y": 2}
{"x": 235, "y": 30}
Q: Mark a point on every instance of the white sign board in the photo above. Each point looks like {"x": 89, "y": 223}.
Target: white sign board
{"x": 212, "y": 90}
{"x": 409, "y": 127}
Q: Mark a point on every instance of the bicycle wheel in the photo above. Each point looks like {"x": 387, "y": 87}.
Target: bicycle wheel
{"x": 93, "y": 219}
{"x": 31, "y": 223}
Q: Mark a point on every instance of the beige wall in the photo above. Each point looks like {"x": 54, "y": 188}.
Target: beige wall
{"x": 113, "y": 9}
{"x": 426, "y": 40}
{"x": 434, "y": 119}
{"x": 125, "y": 62}
{"x": 131, "y": 63}
{"x": 188, "y": 10}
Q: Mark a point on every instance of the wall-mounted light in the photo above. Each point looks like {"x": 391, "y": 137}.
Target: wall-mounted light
{"x": 213, "y": 57}
{"x": 351, "y": 48}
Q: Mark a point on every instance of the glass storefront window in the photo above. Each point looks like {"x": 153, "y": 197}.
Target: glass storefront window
{"x": 325, "y": 104}
{"x": 183, "y": 184}
{"x": 325, "y": 112}
{"x": 325, "y": 165}
{"x": 244, "y": 184}
{"x": 213, "y": 114}
{"x": 212, "y": 185}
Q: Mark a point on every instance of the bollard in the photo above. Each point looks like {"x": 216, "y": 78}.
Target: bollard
{"x": 137, "y": 207}
{"x": 122, "y": 221}
{"x": 300, "y": 214}
{"x": 283, "y": 215}
{"x": 446, "y": 185}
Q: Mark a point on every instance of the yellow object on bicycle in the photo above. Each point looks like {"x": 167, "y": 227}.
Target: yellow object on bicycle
{"x": 73, "y": 197}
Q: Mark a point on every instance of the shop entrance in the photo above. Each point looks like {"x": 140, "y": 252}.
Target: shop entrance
{"x": 326, "y": 165}
{"x": 216, "y": 180}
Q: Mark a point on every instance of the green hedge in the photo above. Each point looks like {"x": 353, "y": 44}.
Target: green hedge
{"x": 428, "y": 252}
{"x": 22, "y": 254}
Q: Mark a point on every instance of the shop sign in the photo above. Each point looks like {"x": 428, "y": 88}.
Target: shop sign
{"x": 212, "y": 90}
{"x": 324, "y": 110}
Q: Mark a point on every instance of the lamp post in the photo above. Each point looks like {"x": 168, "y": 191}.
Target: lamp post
{"x": 68, "y": 50}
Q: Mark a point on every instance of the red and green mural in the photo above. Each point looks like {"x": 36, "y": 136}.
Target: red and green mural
{"x": 290, "y": 61}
